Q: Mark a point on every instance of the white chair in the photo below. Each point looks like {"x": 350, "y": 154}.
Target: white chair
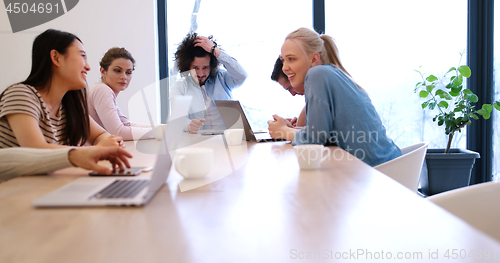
{"x": 406, "y": 168}
{"x": 477, "y": 205}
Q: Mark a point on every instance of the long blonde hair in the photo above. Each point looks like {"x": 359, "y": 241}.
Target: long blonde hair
{"x": 311, "y": 42}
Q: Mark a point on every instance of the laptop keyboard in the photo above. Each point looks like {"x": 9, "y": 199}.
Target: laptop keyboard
{"x": 122, "y": 189}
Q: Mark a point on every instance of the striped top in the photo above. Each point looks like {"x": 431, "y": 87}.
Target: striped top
{"x": 25, "y": 99}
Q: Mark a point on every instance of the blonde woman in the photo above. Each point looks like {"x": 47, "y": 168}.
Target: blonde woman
{"x": 338, "y": 111}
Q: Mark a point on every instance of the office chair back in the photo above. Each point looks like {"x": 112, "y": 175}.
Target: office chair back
{"x": 406, "y": 168}
{"x": 477, "y": 205}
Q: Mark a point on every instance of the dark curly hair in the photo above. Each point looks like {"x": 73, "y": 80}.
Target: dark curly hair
{"x": 186, "y": 52}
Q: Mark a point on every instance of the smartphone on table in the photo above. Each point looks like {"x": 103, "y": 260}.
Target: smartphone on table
{"x": 132, "y": 171}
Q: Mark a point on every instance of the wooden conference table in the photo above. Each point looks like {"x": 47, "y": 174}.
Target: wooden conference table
{"x": 264, "y": 209}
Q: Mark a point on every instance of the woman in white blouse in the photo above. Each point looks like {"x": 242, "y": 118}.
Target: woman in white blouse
{"x": 117, "y": 67}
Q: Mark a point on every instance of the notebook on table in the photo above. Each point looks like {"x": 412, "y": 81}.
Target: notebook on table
{"x": 235, "y": 118}
{"x": 119, "y": 191}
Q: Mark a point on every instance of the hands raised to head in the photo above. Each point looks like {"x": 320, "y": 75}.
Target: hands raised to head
{"x": 207, "y": 44}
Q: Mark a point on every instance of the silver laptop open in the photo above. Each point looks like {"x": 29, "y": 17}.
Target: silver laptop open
{"x": 120, "y": 191}
{"x": 234, "y": 117}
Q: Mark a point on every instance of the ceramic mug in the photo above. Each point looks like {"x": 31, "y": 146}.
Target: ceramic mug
{"x": 310, "y": 156}
{"x": 233, "y": 136}
{"x": 194, "y": 163}
{"x": 159, "y": 130}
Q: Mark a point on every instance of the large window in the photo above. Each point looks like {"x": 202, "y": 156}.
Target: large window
{"x": 252, "y": 32}
{"x": 381, "y": 43}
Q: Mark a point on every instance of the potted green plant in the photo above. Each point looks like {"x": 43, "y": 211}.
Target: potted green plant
{"x": 447, "y": 169}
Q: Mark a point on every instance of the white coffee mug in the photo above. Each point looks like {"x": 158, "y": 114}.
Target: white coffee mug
{"x": 194, "y": 163}
{"x": 233, "y": 136}
{"x": 159, "y": 130}
{"x": 310, "y": 156}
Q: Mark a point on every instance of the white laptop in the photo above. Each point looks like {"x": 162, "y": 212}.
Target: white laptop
{"x": 120, "y": 191}
{"x": 234, "y": 117}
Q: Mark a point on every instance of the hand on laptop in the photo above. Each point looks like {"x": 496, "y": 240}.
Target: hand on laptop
{"x": 195, "y": 125}
{"x": 278, "y": 129}
{"x": 87, "y": 158}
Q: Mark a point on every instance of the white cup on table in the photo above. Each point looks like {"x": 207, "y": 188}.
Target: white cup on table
{"x": 310, "y": 156}
{"x": 233, "y": 136}
{"x": 194, "y": 163}
{"x": 159, "y": 130}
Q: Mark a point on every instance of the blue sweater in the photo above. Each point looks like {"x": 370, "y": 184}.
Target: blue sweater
{"x": 339, "y": 113}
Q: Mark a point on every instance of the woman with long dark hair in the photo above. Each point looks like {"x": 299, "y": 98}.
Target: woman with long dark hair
{"x": 49, "y": 108}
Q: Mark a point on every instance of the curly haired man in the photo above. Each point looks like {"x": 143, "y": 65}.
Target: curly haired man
{"x": 198, "y": 59}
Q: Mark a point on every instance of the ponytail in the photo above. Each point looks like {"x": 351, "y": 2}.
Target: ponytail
{"x": 330, "y": 53}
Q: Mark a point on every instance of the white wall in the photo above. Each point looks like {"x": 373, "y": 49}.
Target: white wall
{"x": 100, "y": 25}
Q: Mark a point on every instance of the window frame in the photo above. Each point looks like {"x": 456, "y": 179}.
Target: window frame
{"x": 480, "y": 60}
